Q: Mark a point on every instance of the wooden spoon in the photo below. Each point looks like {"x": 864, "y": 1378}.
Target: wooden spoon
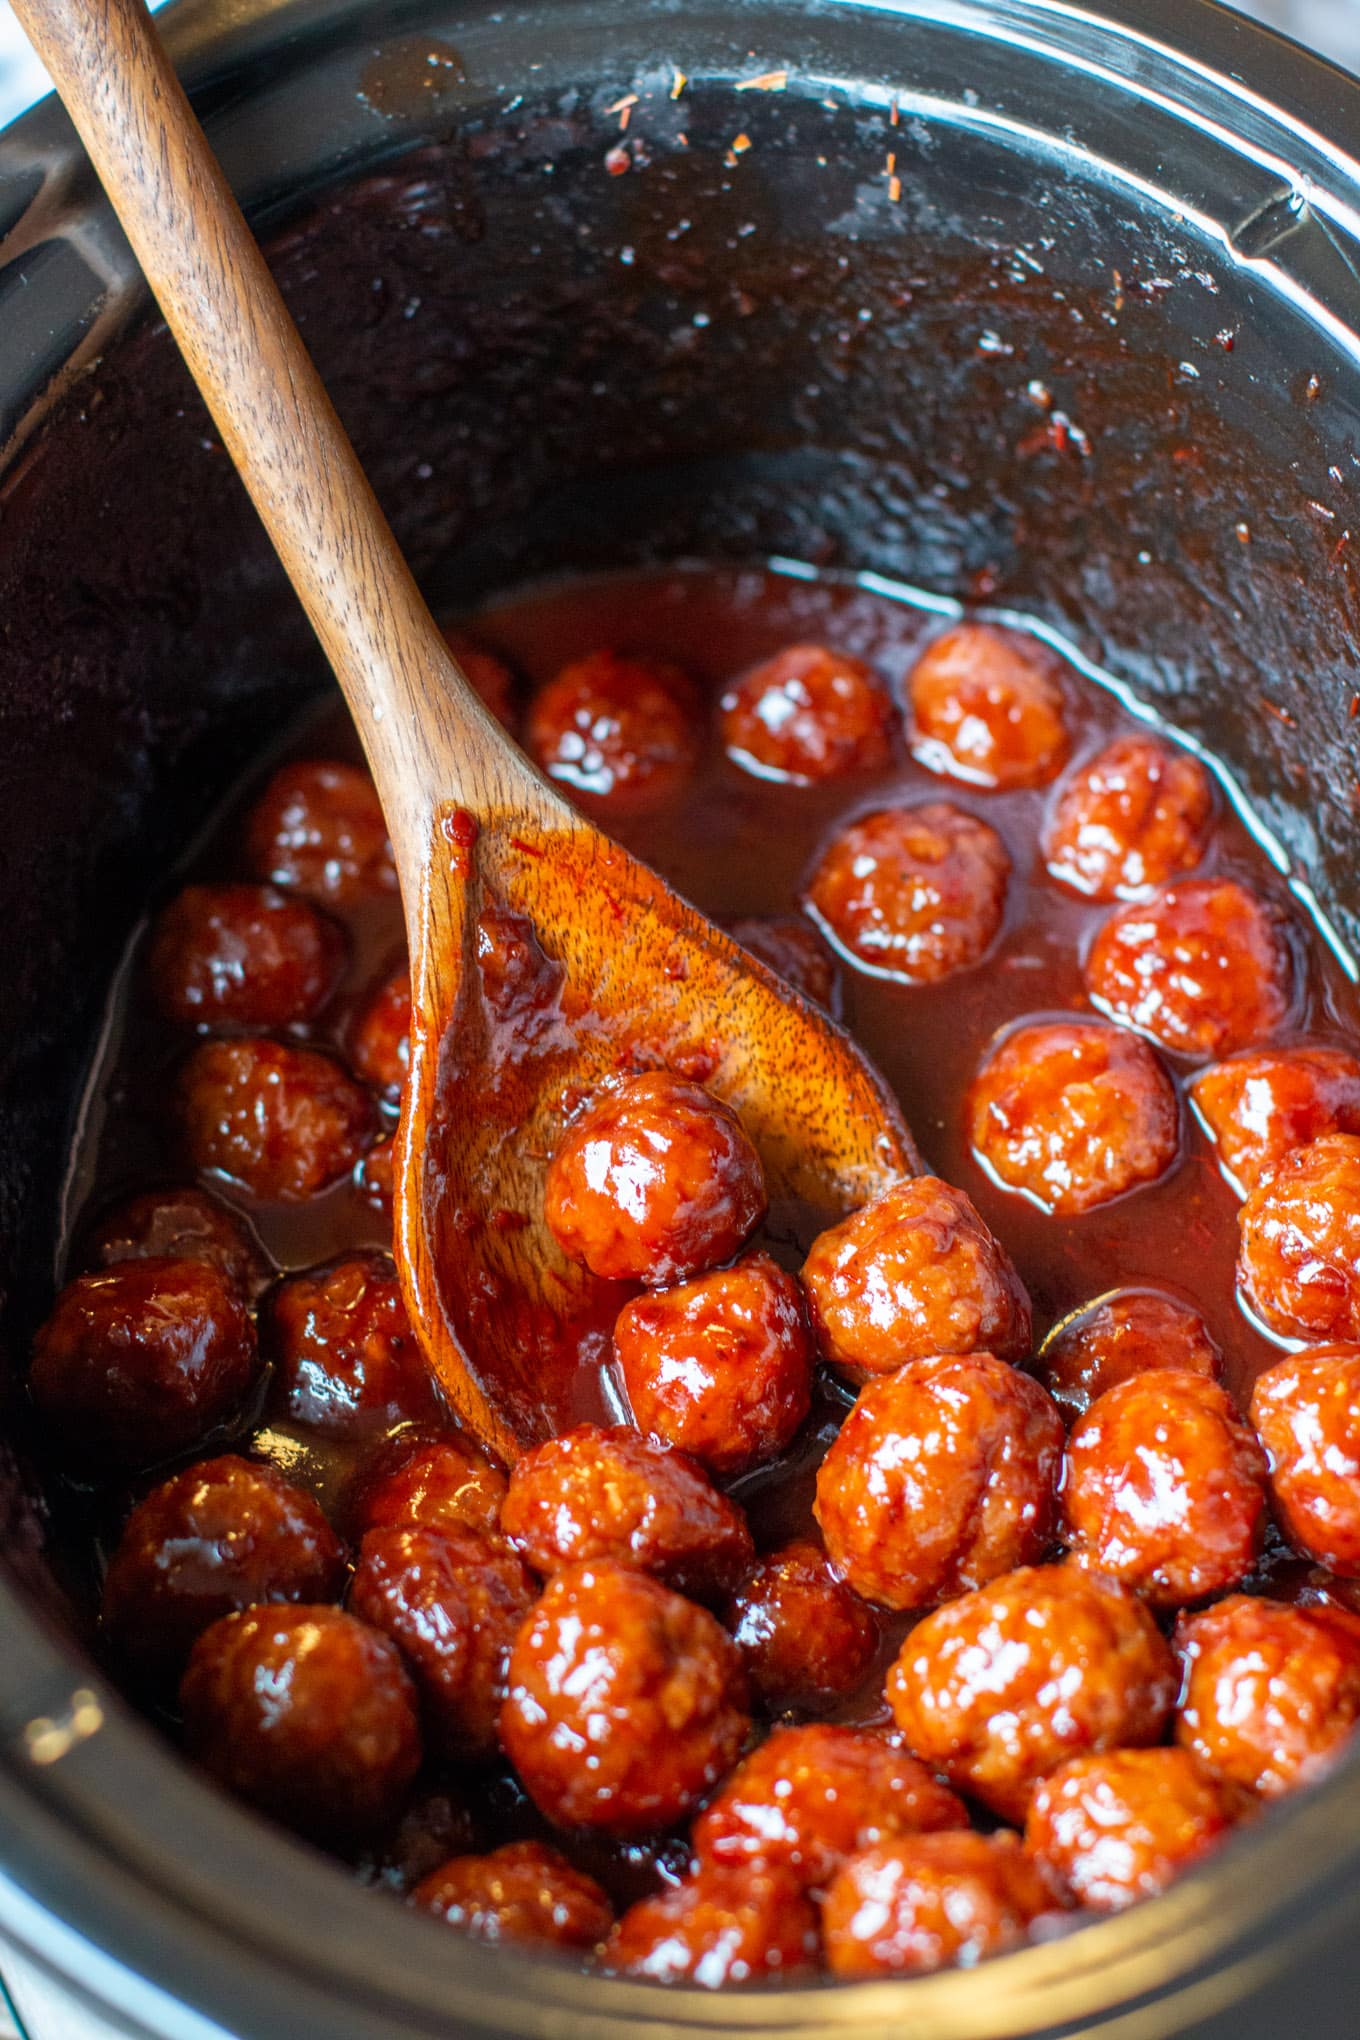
{"x": 544, "y": 959}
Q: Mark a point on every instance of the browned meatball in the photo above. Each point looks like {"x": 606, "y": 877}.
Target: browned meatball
{"x": 612, "y": 1495}
{"x": 721, "y": 1366}
{"x": 718, "y": 1927}
{"x": 906, "y": 1907}
{"x": 453, "y": 1600}
{"x": 143, "y": 1360}
{"x": 1121, "y": 1826}
{"x": 522, "y": 1892}
{"x": 490, "y": 678}
{"x": 284, "y": 1122}
{"x": 242, "y": 956}
{"x": 626, "y": 1703}
{"x": 793, "y": 949}
{"x": 1073, "y": 1113}
{"x": 1306, "y": 1410}
{"x": 221, "y": 1535}
{"x": 808, "y": 714}
{"x": 1164, "y": 1488}
{"x": 1118, "y": 1336}
{"x": 1202, "y": 967}
{"x": 806, "y": 1639}
{"x": 655, "y": 1182}
{"x": 1131, "y": 818}
{"x": 318, "y": 827}
{"x": 307, "y": 1714}
{"x": 347, "y": 1360}
{"x": 623, "y": 731}
{"x": 434, "y": 1827}
{"x": 1047, "y": 1663}
{"x": 987, "y": 706}
{"x": 439, "y": 1483}
{"x": 914, "y": 1273}
{"x": 1271, "y": 1693}
{"x": 1258, "y": 1108}
{"x": 1299, "y": 1258}
{"x": 181, "y": 1225}
{"x": 912, "y": 893}
{"x": 380, "y": 1039}
{"x": 811, "y": 1796}
{"x": 942, "y": 1476}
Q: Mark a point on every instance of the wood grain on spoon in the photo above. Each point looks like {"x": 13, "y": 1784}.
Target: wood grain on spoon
{"x": 629, "y": 974}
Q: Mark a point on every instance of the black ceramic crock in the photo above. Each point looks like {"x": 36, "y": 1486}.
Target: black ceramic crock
{"x": 1086, "y": 345}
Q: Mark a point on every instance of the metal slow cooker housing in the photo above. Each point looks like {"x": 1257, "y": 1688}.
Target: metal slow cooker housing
{"x": 1089, "y": 345}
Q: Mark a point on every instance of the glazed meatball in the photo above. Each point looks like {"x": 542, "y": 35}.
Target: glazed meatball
{"x": 181, "y": 1225}
{"x": 906, "y": 1907}
{"x": 224, "y": 1534}
{"x": 247, "y": 956}
{"x": 808, "y": 714}
{"x": 307, "y": 1714}
{"x": 806, "y": 1639}
{"x": 1306, "y": 1410}
{"x": 522, "y": 1892}
{"x": 1119, "y": 1336}
{"x": 1073, "y": 1113}
{"x": 490, "y": 679}
{"x": 987, "y": 706}
{"x": 619, "y": 730}
{"x": 283, "y": 1122}
{"x": 1258, "y": 1108}
{"x": 1203, "y": 967}
{"x": 375, "y": 1177}
{"x": 792, "y": 948}
{"x": 318, "y": 828}
{"x": 1299, "y": 1258}
{"x": 721, "y": 1366}
{"x": 347, "y": 1360}
{"x": 913, "y": 1274}
{"x": 612, "y": 1495}
{"x": 1121, "y": 1826}
{"x": 453, "y": 1601}
{"x": 439, "y": 1483}
{"x": 912, "y": 893}
{"x": 656, "y": 1182}
{"x": 626, "y": 1703}
{"x": 380, "y": 1039}
{"x": 1132, "y": 818}
{"x": 811, "y": 1796}
{"x": 1047, "y": 1663}
{"x": 1271, "y": 1693}
{"x": 719, "y": 1927}
{"x": 143, "y": 1360}
{"x": 942, "y": 1476}
{"x": 1164, "y": 1488}
{"x": 434, "y": 1827}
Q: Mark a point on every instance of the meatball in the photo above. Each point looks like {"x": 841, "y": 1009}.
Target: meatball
{"x": 380, "y": 1039}
{"x": 375, "y": 1177}
{"x": 1047, "y": 1663}
{"x": 654, "y": 1183}
{"x": 1258, "y": 1108}
{"x": 1271, "y": 1693}
{"x": 283, "y": 1122}
{"x": 181, "y": 1225}
{"x": 347, "y": 1359}
{"x": 1299, "y": 1258}
{"x": 912, "y": 893}
{"x": 906, "y": 1907}
{"x": 718, "y": 1927}
{"x": 522, "y": 1892}
{"x": 596, "y": 1494}
{"x": 806, "y": 1639}
{"x": 623, "y": 731}
{"x": 791, "y": 947}
{"x": 987, "y": 706}
{"x": 1131, "y": 818}
{"x": 914, "y": 1273}
{"x": 490, "y": 679}
{"x": 1164, "y": 1488}
{"x": 453, "y": 1601}
{"x": 318, "y": 827}
{"x": 808, "y": 714}
{"x": 1203, "y": 967}
{"x": 434, "y": 1827}
{"x": 811, "y": 1796}
{"x": 626, "y": 1703}
{"x": 242, "y": 956}
{"x": 439, "y": 1483}
{"x": 1119, "y": 1336}
{"x": 1306, "y": 1410}
{"x": 721, "y": 1366}
{"x": 1121, "y": 1826}
{"x": 942, "y": 1476}
{"x": 143, "y": 1360}
{"x": 1073, "y": 1113}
